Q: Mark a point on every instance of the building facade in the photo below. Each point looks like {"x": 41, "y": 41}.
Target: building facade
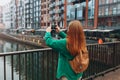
{"x": 36, "y": 14}
{"x": 6, "y": 15}
{"x": 21, "y": 14}
{"x": 28, "y": 13}
{"x": 45, "y": 16}
{"x": 13, "y": 16}
{"x": 109, "y": 13}
{"x": 32, "y": 14}
{"x": 1, "y": 14}
{"x": 63, "y": 11}
{"x": 56, "y": 11}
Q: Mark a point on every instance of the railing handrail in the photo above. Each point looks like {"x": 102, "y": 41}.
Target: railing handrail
{"x": 44, "y": 49}
{"x": 105, "y": 43}
{"x": 23, "y": 52}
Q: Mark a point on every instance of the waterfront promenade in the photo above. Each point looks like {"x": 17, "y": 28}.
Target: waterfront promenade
{"x": 114, "y": 75}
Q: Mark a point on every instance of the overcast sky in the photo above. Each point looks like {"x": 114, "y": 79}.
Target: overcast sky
{"x": 3, "y": 2}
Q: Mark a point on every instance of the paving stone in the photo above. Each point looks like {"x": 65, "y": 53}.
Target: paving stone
{"x": 114, "y": 75}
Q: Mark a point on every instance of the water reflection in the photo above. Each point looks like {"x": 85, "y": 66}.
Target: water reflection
{"x": 10, "y": 47}
{"x": 35, "y": 66}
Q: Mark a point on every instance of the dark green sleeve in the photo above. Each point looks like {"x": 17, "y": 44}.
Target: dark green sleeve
{"x": 62, "y": 34}
{"x": 53, "y": 43}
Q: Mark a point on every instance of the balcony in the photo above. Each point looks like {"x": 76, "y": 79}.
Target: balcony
{"x": 26, "y": 1}
{"x": 27, "y": 16}
{"x": 31, "y": 7}
{"x": 51, "y": 19}
{"x": 62, "y": 2}
{"x": 62, "y": 17}
{"x": 51, "y": 12}
{"x": 70, "y": 1}
{"x": 57, "y": 18}
{"x": 76, "y": 1}
{"x": 52, "y": 1}
{"x": 52, "y": 5}
{"x": 54, "y": 18}
{"x": 57, "y": 3}
{"x": 31, "y": 12}
{"x": 57, "y": 11}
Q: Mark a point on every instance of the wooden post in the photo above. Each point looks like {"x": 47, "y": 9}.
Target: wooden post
{"x": 96, "y": 14}
{"x": 65, "y": 13}
{"x": 86, "y": 15}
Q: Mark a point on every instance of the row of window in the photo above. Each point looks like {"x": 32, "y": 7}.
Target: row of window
{"x": 108, "y": 1}
{"x": 79, "y": 13}
{"x": 109, "y": 10}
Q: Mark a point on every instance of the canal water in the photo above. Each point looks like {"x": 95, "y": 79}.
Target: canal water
{"x": 10, "y": 47}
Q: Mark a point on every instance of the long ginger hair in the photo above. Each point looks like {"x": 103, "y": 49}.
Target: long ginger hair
{"x": 75, "y": 38}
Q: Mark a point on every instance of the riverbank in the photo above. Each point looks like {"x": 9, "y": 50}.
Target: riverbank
{"x": 33, "y": 41}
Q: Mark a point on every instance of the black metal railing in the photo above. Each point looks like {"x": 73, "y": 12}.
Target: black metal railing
{"x": 103, "y": 58}
{"x": 41, "y": 64}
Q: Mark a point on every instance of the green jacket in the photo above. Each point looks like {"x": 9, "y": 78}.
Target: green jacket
{"x": 64, "y": 68}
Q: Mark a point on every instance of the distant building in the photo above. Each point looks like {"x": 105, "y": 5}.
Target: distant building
{"x": 6, "y": 15}
{"x": 36, "y": 14}
{"x": 56, "y": 12}
{"x": 21, "y": 14}
{"x": 1, "y": 14}
{"x": 13, "y": 14}
{"x": 32, "y": 14}
{"x": 109, "y": 13}
{"x": 64, "y": 11}
{"x": 28, "y": 13}
{"x": 45, "y": 17}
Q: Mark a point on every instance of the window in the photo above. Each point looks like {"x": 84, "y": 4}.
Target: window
{"x": 72, "y": 14}
{"x": 110, "y": 11}
{"x": 118, "y": 11}
{"x": 107, "y": 1}
{"x": 103, "y": 11}
{"x": 103, "y": 1}
{"x": 114, "y": 1}
{"x": 110, "y": 1}
{"x": 68, "y": 11}
{"x": 79, "y": 12}
{"x": 106, "y": 11}
{"x": 114, "y": 10}
{"x": 100, "y": 2}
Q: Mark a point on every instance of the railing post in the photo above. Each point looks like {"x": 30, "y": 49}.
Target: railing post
{"x": 19, "y": 67}
{"x": 65, "y": 13}
{"x": 25, "y": 66}
{"x": 96, "y": 14}
{"x": 4, "y": 68}
{"x": 12, "y": 67}
{"x": 114, "y": 54}
{"x": 86, "y": 15}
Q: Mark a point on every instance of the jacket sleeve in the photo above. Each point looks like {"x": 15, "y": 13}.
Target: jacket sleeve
{"x": 62, "y": 34}
{"x": 53, "y": 43}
